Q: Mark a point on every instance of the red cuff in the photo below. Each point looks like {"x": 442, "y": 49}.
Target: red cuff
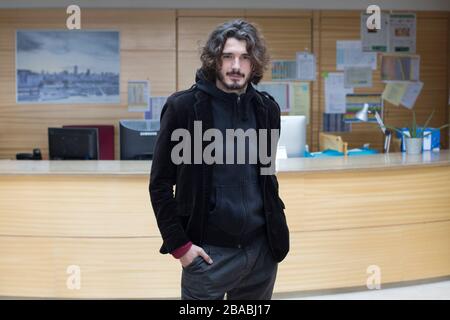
{"x": 181, "y": 251}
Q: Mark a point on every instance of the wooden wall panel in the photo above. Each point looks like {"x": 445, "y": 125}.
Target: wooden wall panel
{"x": 147, "y": 45}
{"x": 163, "y": 46}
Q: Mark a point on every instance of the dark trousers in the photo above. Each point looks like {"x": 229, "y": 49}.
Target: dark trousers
{"x": 246, "y": 273}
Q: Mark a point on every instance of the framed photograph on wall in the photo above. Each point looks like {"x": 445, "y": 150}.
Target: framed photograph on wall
{"x": 67, "y": 66}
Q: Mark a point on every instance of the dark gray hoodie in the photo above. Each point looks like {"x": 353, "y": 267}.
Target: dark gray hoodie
{"x": 236, "y": 204}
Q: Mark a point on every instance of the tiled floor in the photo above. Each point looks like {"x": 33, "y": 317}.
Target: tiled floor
{"x": 438, "y": 290}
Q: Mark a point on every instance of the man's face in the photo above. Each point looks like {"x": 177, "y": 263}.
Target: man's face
{"x": 236, "y": 67}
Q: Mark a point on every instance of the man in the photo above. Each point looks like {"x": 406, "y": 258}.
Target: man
{"x": 226, "y": 223}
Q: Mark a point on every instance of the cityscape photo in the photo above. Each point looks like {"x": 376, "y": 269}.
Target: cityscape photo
{"x": 67, "y": 66}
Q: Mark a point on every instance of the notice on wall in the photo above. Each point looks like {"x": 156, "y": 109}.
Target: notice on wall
{"x": 279, "y": 91}
{"x": 356, "y": 102}
{"x": 412, "y": 92}
{"x": 291, "y": 96}
{"x": 357, "y": 77}
{"x": 402, "y": 32}
{"x": 400, "y": 67}
{"x": 349, "y": 53}
{"x": 156, "y": 106}
{"x": 284, "y": 70}
{"x": 335, "y": 93}
{"x": 299, "y": 99}
{"x": 376, "y": 40}
{"x": 306, "y": 66}
{"x": 138, "y": 96}
{"x": 394, "y": 91}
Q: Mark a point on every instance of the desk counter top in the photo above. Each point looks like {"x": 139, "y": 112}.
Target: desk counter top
{"x": 304, "y": 165}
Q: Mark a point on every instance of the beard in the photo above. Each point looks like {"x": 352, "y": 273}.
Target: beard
{"x": 234, "y": 85}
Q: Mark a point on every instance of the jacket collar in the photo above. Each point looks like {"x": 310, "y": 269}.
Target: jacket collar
{"x": 203, "y": 113}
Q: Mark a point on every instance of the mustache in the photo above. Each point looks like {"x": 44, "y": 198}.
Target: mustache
{"x": 235, "y": 74}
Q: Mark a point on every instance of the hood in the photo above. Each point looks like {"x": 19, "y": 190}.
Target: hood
{"x": 245, "y": 100}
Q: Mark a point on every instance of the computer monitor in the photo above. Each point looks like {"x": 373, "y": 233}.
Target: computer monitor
{"x": 293, "y": 135}
{"x": 137, "y": 139}
{"x": 105, "y": 135}
{"x": 73, "y": 143}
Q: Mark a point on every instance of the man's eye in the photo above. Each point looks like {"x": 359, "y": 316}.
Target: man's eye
{"x": 246, "y": 57}
{"x": 227, "y": 56}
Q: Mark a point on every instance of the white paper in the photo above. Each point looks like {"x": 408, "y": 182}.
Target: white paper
{"x": 402, "y": 32}
{"x": 357, "y": 77}
{"x": 279, "y": 91}
{"x": 375, "y": 40}
{"x": 138, "y": 96}
{"x": 411, "y": 94}
{"x": 156, "y": 106}
{"x": 284, "y": 70}
{"x": 349, "y": 53}
{"x": 306, "y": 66}
{"x": 335, "y": 93}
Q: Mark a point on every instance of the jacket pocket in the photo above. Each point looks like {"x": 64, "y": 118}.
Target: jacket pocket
{"x": 229, "y": 211}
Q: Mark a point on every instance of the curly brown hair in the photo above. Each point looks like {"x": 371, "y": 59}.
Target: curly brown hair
{"x": 241, "y": 30}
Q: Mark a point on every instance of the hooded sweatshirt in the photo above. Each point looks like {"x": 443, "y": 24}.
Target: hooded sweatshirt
{"x": 236, "y": 204}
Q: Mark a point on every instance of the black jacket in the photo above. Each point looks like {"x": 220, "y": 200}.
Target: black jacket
{"x": 183, "y": 217}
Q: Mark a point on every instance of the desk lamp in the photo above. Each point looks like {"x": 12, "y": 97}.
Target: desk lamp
{"x": 363, "y": 115}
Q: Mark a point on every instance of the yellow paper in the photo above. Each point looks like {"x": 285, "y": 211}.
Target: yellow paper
{"x": 299, "y": 99}
{"x": 394, "y": 92}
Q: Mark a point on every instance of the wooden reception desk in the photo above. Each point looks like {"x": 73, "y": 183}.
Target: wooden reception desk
{"x": 345, "y": 214}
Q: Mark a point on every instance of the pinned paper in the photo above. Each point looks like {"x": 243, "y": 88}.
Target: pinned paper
{"x": 357, "y": 77}
{"x": 335, "y": 93}
{"x": 291, "y": 96}
{"x": 402, "y": 32}
{"x": 349, "y": 53}
{"x": 394, "y": 92}
{"x": 284, "y": 70}
{"x": 299, "y": 99}
{"x": 306, "y": 66}
{"x": 375, "y": 40}
{"x": 412, "y": 92}
{"x": 395, "y": 67}
{"x": 138, "y": 95}
{"x": 356, "y": 102}
{"x": 156, "y": 106}
{"x": 279, "y": 91}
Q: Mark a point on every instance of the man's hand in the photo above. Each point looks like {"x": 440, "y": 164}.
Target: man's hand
{"x": 194, "y": 252}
